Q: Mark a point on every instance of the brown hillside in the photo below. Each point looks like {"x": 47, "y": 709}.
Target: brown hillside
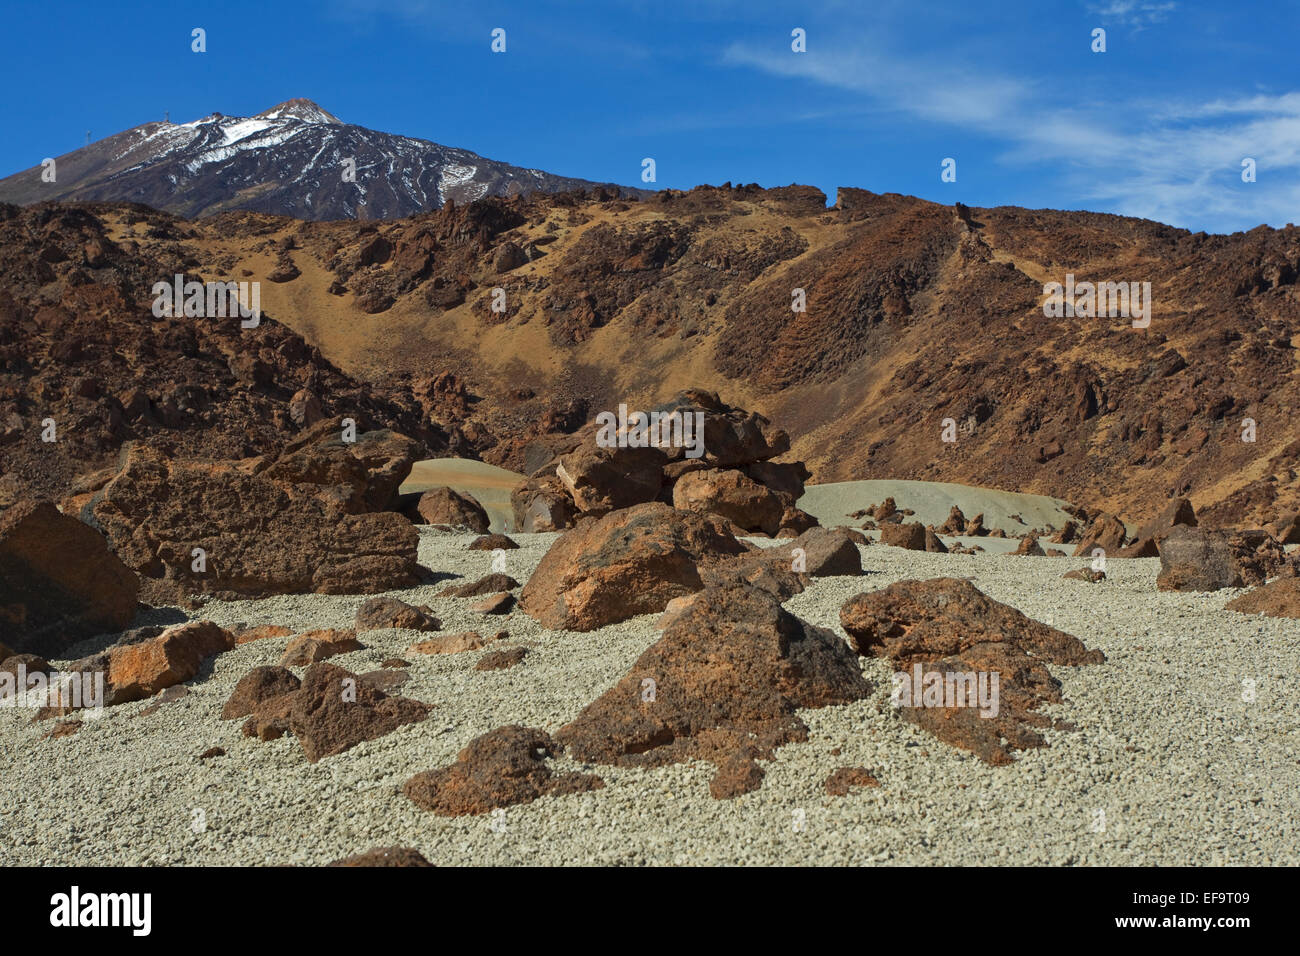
{"x": 915, "y": 313}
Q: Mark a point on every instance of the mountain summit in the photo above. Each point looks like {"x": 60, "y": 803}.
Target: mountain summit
{"x": 299, "y": 109}
{"x": 294, "y": 159}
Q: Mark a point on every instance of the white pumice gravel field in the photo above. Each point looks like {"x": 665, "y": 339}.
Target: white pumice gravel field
{"x": 1168, "y": 765}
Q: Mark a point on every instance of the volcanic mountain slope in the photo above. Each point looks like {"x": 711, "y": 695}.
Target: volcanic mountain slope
{"x": 85, "y": 366}
{"x": 916, "y": 313}
{"x": 289, "y": 159}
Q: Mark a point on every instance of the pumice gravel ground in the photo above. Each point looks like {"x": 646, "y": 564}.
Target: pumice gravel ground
{"x": 1174, "y": 759}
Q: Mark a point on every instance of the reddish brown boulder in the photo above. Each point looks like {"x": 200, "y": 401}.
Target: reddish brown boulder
{"x": 1029, "y": 546}
{"x": 269, "y": 719}
{"x": 491, "y": 542}
{"x": 795, "y": 522}
{"x": 1085, "y": 574}
{"x": 887, "y": 510}
{"x": 910, "y": 536}
{"x": 383, "y": 679}
{"x": 313, "y": 646}
{"x": 333, "y": 711}
{"x": 1179, "y": 511}
{"x": 502, "y": 768}
{"x": 854, "y": 535}
{"x": 627, "y": 563}
{"x": 1141, "y": 548}
{"x": 1280, "y": 598}
{"x": 826, "y": 551}
{"x": 601, "y": 480}
{"x": 260, "y": 633}
{"x": 1106, "y": 532}
{"x": 1146, "y": 544}
{"x": 733, "y": 495}
{"x": 847, "y": 779}
{"x": 384, "y": 856}
{"x": 784, "y": 571}
{"x": 938, "y": 631}
{"x": 143, "y": 663}
{"x": 500, "y": 660}
{"x": 727, "y": 677}
{"x": 975, "y": 527}
{"x": 450, "y": 510}
{"x": 683, "y": 466}
{"x": 305, "y": 409}
{"x": 945, "y": 616}
{"x": 488, "y": 584}
{"x": 732, "y": 436}
{"x": 361, "y": 476}
{"x": 501, "y": 603}
{"x": 451, "y": 643}
{"x": 738, "y": 774}
{"x": 1067, "y": 534}
{"x": 58, "y": 581}
{"x": 1260, "y": 556}
{"x": 509, "y": 256}
{"x": 933, "y": 544}
{"x": 384, "y": 612}
{"x": 1192, "y": 559}
{"x": 542, "y": 504}
{"x": 258, "y": 685}
{"x": 31, "y": 663}
{"x": 1287, "y": 528}
{"x": 139, "y": 670}
{"x": 955, "y": 523}
{"x": 258, "y": 537}
{"x": 785, "y": 478}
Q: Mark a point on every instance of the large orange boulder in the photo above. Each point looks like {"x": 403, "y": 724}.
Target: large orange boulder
{"x": 601, "y": 480}
{"x": 733, "y": 495}
{"x": 632, "y": 561}
{"x": 149, "y": 660}
{"x": 137, "y": 671}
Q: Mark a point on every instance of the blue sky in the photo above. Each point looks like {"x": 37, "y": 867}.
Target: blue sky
{"x": 1157, "y": 126}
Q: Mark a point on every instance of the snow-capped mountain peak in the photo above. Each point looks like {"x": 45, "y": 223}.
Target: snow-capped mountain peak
{"x": 295, "y": 159}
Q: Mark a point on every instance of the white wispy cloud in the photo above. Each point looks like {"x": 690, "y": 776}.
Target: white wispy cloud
{"x": 1177, "y": 162}
{"x": 1137, "y": 14}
